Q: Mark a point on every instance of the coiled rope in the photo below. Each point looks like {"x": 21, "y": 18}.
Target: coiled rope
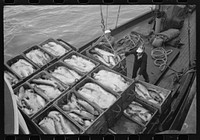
{"x": 160, "y": 57}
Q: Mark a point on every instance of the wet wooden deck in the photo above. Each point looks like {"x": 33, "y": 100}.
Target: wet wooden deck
{"x": 180, "y": 62}
{"x": 183, "y": 59}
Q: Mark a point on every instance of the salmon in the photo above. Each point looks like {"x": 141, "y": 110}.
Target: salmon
{"x": 76, "y": 118}
{"x": 49, "y": 91}
{"x": 65, "y": 125}
{"x": 140, "y": 93}
{"x": 143, "y": 89}
{"x": 97, "y": 94}
{"x": 83, "y": 114}
{"x": 80, "y": 63}
{"x": 45, "y": 82}
{"x": 155, "y": 96}
{"x": 102, "y": 60}
{"x": 88, "y": 107}
{"x": 48, "y": 126}
{"x": 112, "y": 80}
{"x": 38, "y": 57}
{"x": 22, "y": 68}
{"x": 138, "y": 112}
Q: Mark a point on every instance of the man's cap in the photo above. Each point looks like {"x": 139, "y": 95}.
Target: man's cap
{"x": 139, "y": 50}
{"x": 107, "y": 31}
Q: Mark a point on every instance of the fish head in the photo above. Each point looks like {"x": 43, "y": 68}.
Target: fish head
{"x": 73, "y": 98}
{"x": 54, "y": 115}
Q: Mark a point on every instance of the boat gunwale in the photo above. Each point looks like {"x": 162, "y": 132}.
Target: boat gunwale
{"x": 120, "y": 28}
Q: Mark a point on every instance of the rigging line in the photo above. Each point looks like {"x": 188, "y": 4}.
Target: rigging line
{"x": 118, "y": 16}
{"x": 106, "y": 16}
{"x": 189, "y": 39}
{"x": 109, "y": 43}
{"x": 102, "y": 19}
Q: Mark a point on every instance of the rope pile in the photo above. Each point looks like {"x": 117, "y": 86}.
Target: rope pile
{"x": 160, "y": 57}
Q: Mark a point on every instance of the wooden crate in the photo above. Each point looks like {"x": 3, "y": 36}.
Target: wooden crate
{"x": 146, "y": 106}
{"x": 68, "y": 56}
{"x": 95, "y": 125}
{"x": 167, "y": 93}
{"x": 114, "y": 111}
{"x": 65, "y": 46}
{"x": 126, "y": 126}
{"x": 103, "y": 47}
{"x": 45, "y": 112}
{"x": 42, "y": 50}
{"x": 17, "y": 58}
{"x": 124, "y": 93}
{"x": 61, "y": 88}
{"x": 58, "y": 64}
{"x": 26, "y": 85}
{"x": 13, "y": 73}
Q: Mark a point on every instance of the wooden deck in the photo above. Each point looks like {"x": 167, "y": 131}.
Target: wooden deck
{"x": 180, "y": 63}
{"x": 183, "y": 59}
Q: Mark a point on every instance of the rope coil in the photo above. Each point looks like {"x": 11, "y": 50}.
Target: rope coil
{"x": 160, "y": 60}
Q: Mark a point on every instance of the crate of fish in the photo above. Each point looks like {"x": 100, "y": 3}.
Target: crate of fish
{"x": 55, "y": 48}
{"x": 113, "y": 80}
{"x": 47, "y": 85}
{"x": 88, "y": 116}
{"x": 153, "y": 95}
{"x": 22, "y": 67}
{"x": 126, "y": 126}
{"x": 79, "y": 62}
{"x": 67, "y": 76}
{"x": 53, "y": 121}
{"x": 38, "y": 56}
{"x": 29, "y": 101}
{"x": 11, "y": 76}
{"x": 109, "y": 102}
{"x": 120, "y": 66}
{"x": 104, "y": 55}
{"x": 67, "y": 44}
{"x": 139, "y": 112}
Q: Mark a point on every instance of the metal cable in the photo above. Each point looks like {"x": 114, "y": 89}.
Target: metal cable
{"x": 102, "y": 19}
{"x": 118, "y": 16}
{"x": 106, "y": 16}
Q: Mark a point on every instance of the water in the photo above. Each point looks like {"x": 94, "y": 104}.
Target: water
{"x": 25, "y": 26}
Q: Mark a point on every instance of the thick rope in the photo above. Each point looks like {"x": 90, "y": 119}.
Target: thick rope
{"x": 117, "y": 16}
{"x": 160, "y": 57}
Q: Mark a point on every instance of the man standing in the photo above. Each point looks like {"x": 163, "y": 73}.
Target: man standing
{"x": 140, "y": 62}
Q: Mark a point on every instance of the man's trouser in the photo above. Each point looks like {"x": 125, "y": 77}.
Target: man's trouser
{"x": 144, "y": 74}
